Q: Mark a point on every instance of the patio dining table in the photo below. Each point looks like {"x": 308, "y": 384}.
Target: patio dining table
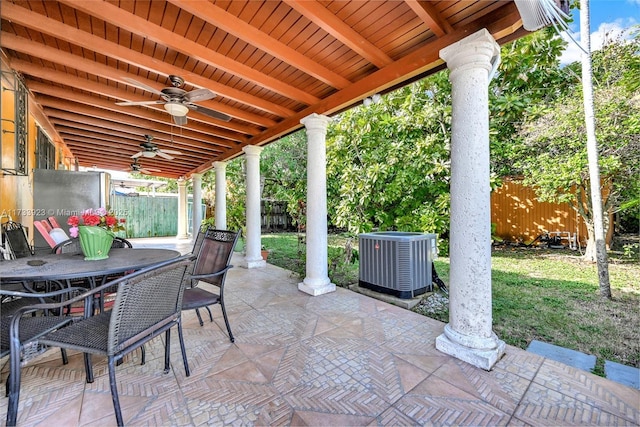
{"x": 68, "y": 267}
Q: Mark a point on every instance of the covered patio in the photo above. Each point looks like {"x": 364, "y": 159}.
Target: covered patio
{"x": 336, "y": 359}
{"x": 306, "y": 353}
{"x": 84, "y": 71}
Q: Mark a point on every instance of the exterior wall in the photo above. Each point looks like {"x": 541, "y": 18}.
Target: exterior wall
{"x": 16, "y": 196}
{"x": 519, "y": 216}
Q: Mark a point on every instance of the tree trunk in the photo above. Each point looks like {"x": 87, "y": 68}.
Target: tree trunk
{"x": 592, "y": 152}
{"x": 590, "y": 250}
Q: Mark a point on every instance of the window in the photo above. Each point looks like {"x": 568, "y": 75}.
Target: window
{"x": 13, "y": 151}
{"x": 45, "y": 151}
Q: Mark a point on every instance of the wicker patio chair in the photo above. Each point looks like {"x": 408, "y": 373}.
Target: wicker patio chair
{"x": 22, "y": 326}
{"x": 147, "y": 303}
{"x": 119, "y": 242}
{"x": 211, "y": 266}
{"x": 72, "y": 246}
{"x": 14, "y": 239}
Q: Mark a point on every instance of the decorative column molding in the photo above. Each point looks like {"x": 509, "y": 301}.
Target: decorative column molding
{"x": 196, "y": 207}
{"x": 468, "y": 335}
{"x": 253, "y": 257}
{"x": 221, "y": 195}
{"x": 317, "y": 280}
{"x": 182, "y": 209}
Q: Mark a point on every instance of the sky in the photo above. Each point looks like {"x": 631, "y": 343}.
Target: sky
{"x": 608, "y": 18}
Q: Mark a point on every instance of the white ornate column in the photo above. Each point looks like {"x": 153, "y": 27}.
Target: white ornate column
{"x": 317, "y": 280}
{"x": 253, "y": 257}
{"x": 196, "y": 207}
{"x": 468, "y": 335}
{"x": 182, "y": 209}
{"x": 221, "y": 195}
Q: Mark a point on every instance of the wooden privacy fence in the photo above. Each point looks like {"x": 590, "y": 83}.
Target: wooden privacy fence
{"x": 275, "y": 216}
{"x": 147, "y": 216}
{"x": 157, "y": 216}
{"x": 519, "y": 216}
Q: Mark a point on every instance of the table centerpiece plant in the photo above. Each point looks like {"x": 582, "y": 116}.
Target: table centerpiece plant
{"x": 96, "y": 229}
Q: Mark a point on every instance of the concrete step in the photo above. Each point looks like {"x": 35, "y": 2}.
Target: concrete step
{"x": 623, "y": 374}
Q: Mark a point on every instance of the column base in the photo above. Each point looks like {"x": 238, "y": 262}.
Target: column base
{"x": 253, "y": 263}
{"x": 315, "y": 289}
{"x": 490, "y": 351}
{"x": 182, "y": 236}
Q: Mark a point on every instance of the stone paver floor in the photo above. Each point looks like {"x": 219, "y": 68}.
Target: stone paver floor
{"x": 340, "y": 359}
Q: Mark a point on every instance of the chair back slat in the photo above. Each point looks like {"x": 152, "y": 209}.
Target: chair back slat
{"x": 197, "y": 244}
{"x": 15, "y": 238}
{"x": 144, "y": 301}
{"x": 215, "y": 254}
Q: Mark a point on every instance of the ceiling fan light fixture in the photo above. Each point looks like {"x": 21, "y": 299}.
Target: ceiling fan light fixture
{"x": 176, "y": 109}
{"x": 148, "y": 154}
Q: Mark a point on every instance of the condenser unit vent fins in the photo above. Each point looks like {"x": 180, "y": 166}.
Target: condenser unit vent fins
{"x": 397, "y": 263}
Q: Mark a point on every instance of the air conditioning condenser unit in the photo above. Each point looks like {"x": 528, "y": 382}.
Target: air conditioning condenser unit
{"x": 397, "y": 263}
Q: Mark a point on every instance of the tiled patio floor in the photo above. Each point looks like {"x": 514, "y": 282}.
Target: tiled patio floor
{"x": 332, "y": 360}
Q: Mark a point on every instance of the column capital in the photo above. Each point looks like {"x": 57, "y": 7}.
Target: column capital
{"x": 252, "y": 150}
{"x": 474, "y": 51}
{"x": 219, "y": 165}
{"x": 182, "y": 182}
{"x": 196, "y": 176}
{"x": 316, "y": 122}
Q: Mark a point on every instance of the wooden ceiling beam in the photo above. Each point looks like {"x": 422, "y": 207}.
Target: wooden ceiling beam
{"x": 133, "y": 23}
{"x": 427, "y": 12}
{"x": 88, "y": 158}
{"x": 114, "y": 121}
{"x": 321, "y": 16}
{"x": 135, "y": 141}
{"x": 57, "y": 108}
{"x": 100, "y": 108}
{"x": 231, "y": 131}
{"x": 125, "y": 131}
{"x": 38, "y": 50}
{"x": 54, "y": 28}
{"x": 229, "y": 23}
{"x": 126, "y": 150}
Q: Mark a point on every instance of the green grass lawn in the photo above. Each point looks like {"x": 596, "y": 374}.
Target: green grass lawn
{"x": 545, "y": 295}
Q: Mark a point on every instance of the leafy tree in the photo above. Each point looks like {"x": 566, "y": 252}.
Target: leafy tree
{"x": 283, "y": 167}
{"x": 528, "y": 78}
{"x": 236, "y": 192}
{"x": 388, "y": 163}
{"x": 553, "y": 155}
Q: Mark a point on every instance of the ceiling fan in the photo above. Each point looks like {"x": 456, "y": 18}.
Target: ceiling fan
{"x": 137, "y": 167}
{"x": 178, "y": 101}
{"x": 149, "y": 149}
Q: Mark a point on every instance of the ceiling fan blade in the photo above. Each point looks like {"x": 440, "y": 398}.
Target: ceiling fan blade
{"x": 140, "y": 103}
{"x": 209, "y": 112}
{"x": 138, "y": 154}
{"x": 170, "y": 151}
{"x": 164, "y": 155}
{"x": 180, "y": 120}
{"x": 143, "y": 86}
{"x": 199, "y": 95}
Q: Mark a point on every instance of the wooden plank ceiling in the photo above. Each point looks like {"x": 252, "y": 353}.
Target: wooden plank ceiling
{"x": 269, "y": 63}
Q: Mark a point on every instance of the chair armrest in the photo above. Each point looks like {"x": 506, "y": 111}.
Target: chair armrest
{"x": 206, "y": 276}
{"x": 40, "y": 294}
